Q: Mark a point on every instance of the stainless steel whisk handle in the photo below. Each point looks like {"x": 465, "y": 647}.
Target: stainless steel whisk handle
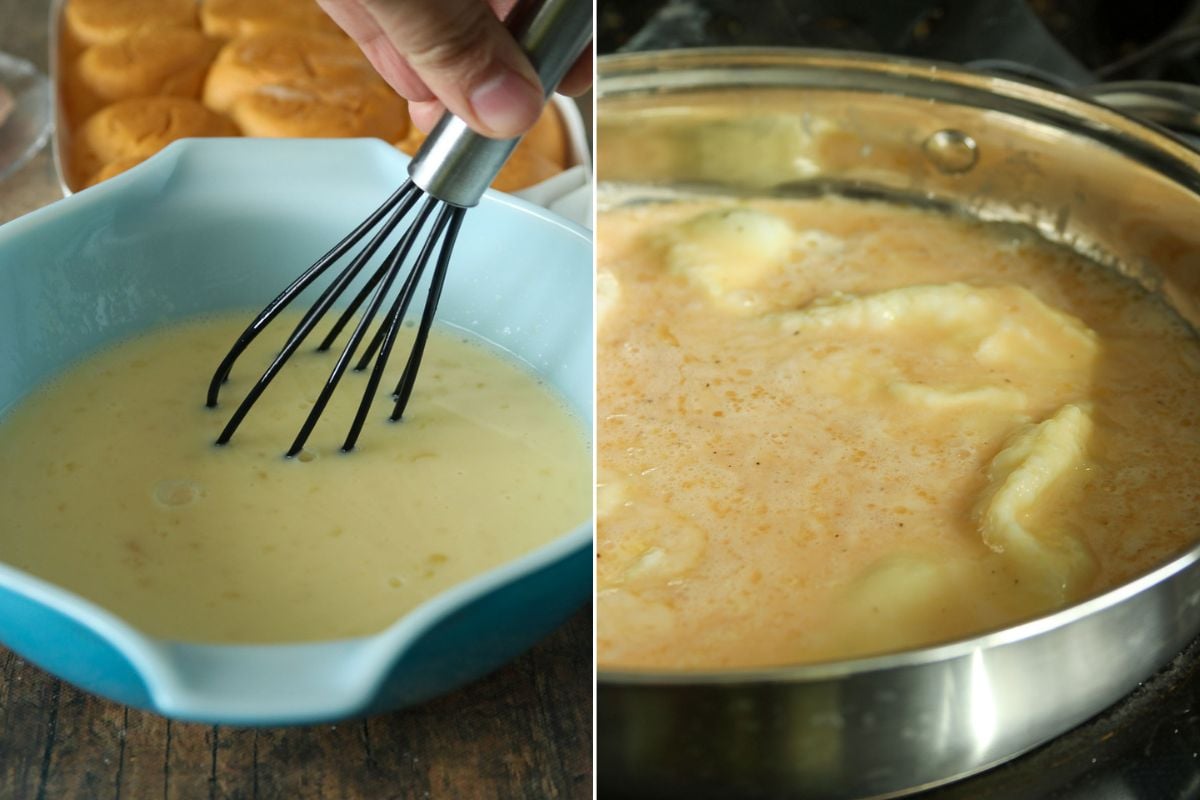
{"x": 456, "y": 164}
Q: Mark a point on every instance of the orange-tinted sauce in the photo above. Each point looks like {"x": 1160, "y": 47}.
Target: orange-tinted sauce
{"x": 830, "y": 428}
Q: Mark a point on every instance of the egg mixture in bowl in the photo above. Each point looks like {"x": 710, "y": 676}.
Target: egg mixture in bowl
{"x": 110, "y": 485}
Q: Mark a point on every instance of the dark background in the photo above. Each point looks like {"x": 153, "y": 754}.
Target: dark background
{"x": 1071, "y": 40}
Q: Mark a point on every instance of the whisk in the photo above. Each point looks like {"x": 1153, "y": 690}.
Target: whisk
{"x": 451, "y": 171}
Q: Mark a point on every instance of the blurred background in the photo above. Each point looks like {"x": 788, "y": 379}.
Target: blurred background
{"x": 1141, "y": 58}
{"x": 1066, "y": 40}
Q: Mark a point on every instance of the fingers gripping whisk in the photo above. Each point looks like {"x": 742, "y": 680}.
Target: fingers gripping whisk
{"x": 448, "y": 175}
{"x": 430, "y": 234}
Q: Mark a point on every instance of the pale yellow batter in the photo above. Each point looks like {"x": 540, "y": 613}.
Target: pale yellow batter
{"x": 831, "y": 428}
{"x": 110, "y": 486}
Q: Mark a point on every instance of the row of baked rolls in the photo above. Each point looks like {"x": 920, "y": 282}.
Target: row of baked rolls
{"x": 91, "y": 22}
{"x": 272, "y": 68}
{"x": 298, "y": 83}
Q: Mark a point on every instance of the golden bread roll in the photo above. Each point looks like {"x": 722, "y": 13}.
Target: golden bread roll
{"x": 230, "y": 19}
{"x": 78, "y": 101}
{"x": 525, "y": 167}
{"x": 281, "y": 57}
{"x": 166, "y": 62}
{"x": 114, "y": 168}
{"x": 411, "y": 143}
{"x": 140, "y": 127}
{"x": 548, "y": 137}
{"x": 107, "y": 21}
{"x": 322, "y": 108}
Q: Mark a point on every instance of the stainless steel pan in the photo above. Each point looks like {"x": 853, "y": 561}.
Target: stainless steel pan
{"x": 1123, "y": 193}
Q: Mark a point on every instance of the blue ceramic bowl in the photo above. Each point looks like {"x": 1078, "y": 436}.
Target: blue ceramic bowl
{"x": 215, "y": 224}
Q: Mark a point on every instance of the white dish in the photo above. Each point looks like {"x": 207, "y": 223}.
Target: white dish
{"x": 24, "y": 132}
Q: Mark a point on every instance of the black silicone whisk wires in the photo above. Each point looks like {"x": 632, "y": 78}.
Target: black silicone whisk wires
{"x": 448, "y": 175}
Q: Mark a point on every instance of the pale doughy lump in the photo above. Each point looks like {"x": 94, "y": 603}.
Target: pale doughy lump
{"x": 831, "y": 428}
{"x": 111, "y": 487}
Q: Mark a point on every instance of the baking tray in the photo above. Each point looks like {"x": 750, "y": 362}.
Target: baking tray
{"x": 567, "y": 193}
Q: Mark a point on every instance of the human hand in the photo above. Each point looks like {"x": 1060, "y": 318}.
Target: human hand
{"x": 456, "y": 55}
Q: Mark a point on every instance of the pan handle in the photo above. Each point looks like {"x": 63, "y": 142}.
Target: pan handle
{"x": 1174, "y": 106}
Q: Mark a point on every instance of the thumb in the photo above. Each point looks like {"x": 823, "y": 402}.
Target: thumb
{"x": 468, "y": 60}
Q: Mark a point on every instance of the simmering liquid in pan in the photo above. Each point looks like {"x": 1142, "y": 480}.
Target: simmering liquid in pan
{"x": 830, "y": 428}
{"x": 111, "y": 487}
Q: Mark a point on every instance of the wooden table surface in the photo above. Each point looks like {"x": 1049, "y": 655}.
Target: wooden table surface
{"x": 522, "y": 732}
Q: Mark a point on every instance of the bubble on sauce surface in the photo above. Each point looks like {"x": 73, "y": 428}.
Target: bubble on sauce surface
{"x": 951, "y": 151}
{"x": 175, "y": 493}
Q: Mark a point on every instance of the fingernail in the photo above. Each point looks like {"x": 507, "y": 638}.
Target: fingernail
{"x": 506, "y": 104}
